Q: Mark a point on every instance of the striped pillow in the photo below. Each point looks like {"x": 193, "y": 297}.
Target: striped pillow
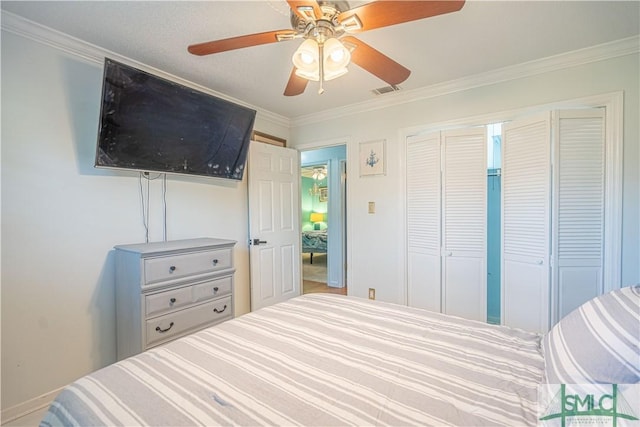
{"x": 596, "y": 343}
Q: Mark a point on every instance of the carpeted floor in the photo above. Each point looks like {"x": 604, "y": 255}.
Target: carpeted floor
{"x": 314, "y": 276}
{"x": 316, "y": 272}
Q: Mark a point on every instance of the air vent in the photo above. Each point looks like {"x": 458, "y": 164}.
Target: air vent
{"x": 386, "y": 89}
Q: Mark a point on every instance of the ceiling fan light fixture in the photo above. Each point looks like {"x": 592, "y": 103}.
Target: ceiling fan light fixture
{"x": 319, "y": 21}
{"x": 319, "y": 173}
{"x": 336, "y": 57}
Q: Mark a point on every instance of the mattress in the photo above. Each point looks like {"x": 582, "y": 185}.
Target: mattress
{"x": 314, "y": 241}
{"x": 319, "y": 360}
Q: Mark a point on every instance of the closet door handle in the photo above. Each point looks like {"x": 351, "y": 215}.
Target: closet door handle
{"x": 159, "y": 329}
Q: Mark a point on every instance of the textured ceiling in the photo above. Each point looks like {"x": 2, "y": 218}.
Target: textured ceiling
{"x": 483, "y": 36}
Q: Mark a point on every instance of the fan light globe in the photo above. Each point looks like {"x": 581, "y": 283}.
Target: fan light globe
{"x": 336, "y": 59}
{"x": 305, "y": 59}
{"x": 337, "y": 55}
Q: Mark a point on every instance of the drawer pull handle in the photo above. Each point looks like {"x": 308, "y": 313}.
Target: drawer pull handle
{"x": 172, "y": 301}
{"x": 159, "y": 329}
{"x": 215, "y": 262}
{"x": 215, "y": 290}
{"x": 215, "y": 310}
{"x": 172, "y": 269}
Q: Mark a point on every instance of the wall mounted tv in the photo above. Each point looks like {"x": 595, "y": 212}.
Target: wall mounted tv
{"x": 151, "y": 124}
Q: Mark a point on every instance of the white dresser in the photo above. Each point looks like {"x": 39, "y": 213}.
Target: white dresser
{"x": 165, "y": 290}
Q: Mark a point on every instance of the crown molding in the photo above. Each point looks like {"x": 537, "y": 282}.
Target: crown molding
{"x": 95, "y": 55}
{"x": 622, "y": 47}
{"x": 92, "y": 54}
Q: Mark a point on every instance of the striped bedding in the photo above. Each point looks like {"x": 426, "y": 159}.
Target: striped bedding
{"x": 609, "y": 327}
{"x": 319, "y": 360}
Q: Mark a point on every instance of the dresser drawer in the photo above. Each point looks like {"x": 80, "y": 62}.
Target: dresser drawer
{"x": 212, "y": 289}
{"x": 168, "y": 300}
{"x": 171, "y": 325}
{"x": 173, "y": 267}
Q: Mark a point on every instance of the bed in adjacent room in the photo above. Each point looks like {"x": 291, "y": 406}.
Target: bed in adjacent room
{"x": 314, "y": 241}
{"x": 323, "y": 360}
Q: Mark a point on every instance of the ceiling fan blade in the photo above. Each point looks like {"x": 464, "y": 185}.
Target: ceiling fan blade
{"x": 376, "y": 62}
{"x": 306, "y": 9}
{"x": 384, "y": 13}
{"x": 296, "y": 84}
{"x": 240, "y": 42}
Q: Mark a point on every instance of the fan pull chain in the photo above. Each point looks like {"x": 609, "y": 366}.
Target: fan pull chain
{"x": 321, "y": 67}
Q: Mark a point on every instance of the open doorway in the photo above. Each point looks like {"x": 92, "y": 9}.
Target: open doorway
{"x": 323, "y": 220}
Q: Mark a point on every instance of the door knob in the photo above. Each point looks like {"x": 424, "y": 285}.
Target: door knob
{"x": 258, "y": 242}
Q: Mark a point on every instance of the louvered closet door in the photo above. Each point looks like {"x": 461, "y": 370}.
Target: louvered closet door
{"x": 423, "y": 221}
{"x": 526, "y": 223}
{"x": 578, "y": 237}
{"x": 464, "y": 219}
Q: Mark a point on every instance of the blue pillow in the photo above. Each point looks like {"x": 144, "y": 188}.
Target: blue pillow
{"x": 597, "y": 343}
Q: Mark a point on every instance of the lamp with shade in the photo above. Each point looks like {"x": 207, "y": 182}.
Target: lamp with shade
{"x": 316, "y": 218}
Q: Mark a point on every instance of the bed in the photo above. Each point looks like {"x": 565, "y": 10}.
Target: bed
{"x": 322, "y": 360}
{"x": 314, "y": 241}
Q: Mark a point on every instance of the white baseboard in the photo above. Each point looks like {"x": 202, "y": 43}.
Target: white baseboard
{"x": 25, "y": 408}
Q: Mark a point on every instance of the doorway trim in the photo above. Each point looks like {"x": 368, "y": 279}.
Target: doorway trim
{"x": 328, "y": 143}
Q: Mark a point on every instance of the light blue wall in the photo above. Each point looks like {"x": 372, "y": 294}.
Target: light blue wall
{"x": 323, "y": 155}
{"x": 493, "y": 246}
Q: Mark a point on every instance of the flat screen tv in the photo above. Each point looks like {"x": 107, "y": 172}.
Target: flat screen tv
{"x": 151, "y": 124}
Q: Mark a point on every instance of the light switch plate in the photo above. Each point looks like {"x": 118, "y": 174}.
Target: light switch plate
{"x": 372, "y": 207}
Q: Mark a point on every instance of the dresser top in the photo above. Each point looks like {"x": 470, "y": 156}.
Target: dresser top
{"x": 176, "y": 245}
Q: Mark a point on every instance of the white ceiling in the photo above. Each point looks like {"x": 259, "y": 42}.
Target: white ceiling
{"x": 483, "y": 36}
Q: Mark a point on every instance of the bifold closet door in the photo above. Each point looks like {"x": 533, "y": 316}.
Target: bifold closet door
{"x": 423, "y": 221}
{"x": 579, "y": 195}
{"x": 464, "y": 223}
{"x": 526, "y": 199}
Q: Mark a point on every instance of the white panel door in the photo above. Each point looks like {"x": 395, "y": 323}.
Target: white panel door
{"x": 526, "y": 198}
{"x": 464, "y": 223}
{"x": 423, "y": 221}
{"x": 273, "y": 181}
{"x": 579, "y": 196}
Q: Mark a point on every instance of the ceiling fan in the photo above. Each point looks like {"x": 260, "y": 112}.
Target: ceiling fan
{"x": 327, "y": 27}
